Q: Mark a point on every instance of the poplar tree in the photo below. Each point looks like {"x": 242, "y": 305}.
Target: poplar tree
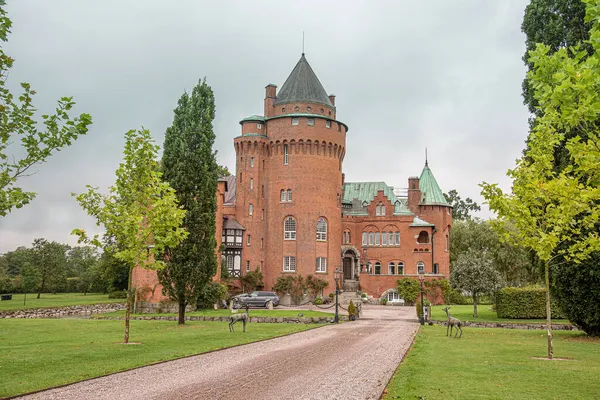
{"x": 190, "y": 167}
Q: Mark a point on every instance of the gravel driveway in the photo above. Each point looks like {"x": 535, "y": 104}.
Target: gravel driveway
{"x": 347, "y": 361}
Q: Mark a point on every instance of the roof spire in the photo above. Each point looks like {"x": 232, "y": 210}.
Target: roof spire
{"x": 302, "y": 42}
{"x": 426, "y": 164}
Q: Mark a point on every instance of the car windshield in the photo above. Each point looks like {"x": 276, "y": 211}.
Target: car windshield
{"x": 254, "y": 294}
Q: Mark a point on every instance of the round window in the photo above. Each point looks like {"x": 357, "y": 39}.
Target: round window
{"x": 322, "y": 110}
{"x": 283, "y": 109}
{"x": 297, "y": 108}
{"x": 308, "y": 108}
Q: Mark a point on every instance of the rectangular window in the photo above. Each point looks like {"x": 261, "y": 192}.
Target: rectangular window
{"x": 250, "y": 209}
{"x": 371, "y": 238}
{"x": 364, "y": 238}
{"x": 328, "y": 124}
{"x": 252, "y": 161}
{"x": 397, "y": 238}
{"x": 240, "y": 177}
{"x": 392, "y": 268}
{"x": 393, "y": 296}
{"x": 376, "y": 238}
{"x": 259, "y": 126}
{"x": 311, "y": 122}
{"x": 289, "y": 264}
{"x": 294, "y": 121}
{"x": 384, "y": 238}
{"x": 262, "y": 243}
{"x": 251, "y": 183}
{"x": 321, "y": 264}
{"x": 248, "y": 240}
{"x": 262, "y": 214}
{"x": 262, "y": 191}
{"x": 247, "y": 266}
{"x": 263, "y": 165}
{"x": 285, "y": 154}
{"x": 261, "y": 265}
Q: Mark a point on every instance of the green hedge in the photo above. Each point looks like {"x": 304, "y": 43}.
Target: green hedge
{"x": 119, "y": 294}
{"x": 525, "y": 303}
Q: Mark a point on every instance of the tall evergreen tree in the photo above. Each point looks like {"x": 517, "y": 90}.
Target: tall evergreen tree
{"x": 190, "y": 167}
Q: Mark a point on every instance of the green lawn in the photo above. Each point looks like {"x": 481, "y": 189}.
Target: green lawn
{"x": 49, "y": 300}
{"x": 497, "y": 364}
{"x": 42, "y": 353}
{"x": 223, "y": 313}
{"x": 484, "y": 314}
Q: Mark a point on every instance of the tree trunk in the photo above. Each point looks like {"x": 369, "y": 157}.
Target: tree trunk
{"x": 41, "y": 288}
{"x": 549, "y": 312}
{"x": 474, "y": 304}
{"x": 181, "y": 320}
{"x": 128, "y": 307}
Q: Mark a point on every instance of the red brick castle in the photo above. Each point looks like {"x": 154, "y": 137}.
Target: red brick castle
{"x": 288, "y": 209}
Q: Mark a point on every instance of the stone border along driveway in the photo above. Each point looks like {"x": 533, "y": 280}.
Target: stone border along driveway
{"x": 510, "y": 325}
{"x": 353, "y": 360}
{"x": 59, "y": 312}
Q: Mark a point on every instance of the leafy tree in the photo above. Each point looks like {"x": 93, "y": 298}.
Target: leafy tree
{"x": 5, "y": 283}
{"x": 222, "y": 171}
{"x": 29, "y": 281}
{"x": 80, "y": 259}
{"x": 190, "y": 167}
{"x": 461, "y": 209}
{"x": 17, "y": 125}
{"x": 555, "y": 212}
{"x": 49, "y": 260}
{"x": 252, "y": 280}
{"x": 211, "y": 294}
{"x": 474, "y": 272}
{"x": 16, "y": 259}
{"x": 408, "y": 289}
{"x": 140, "y": 212}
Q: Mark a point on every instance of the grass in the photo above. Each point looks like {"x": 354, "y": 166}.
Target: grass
{"x": 42, "y": 353}
{"x": 497, "y": 364}
{"x": 484, "y": 314}
{"x": 224, "y": 313}
{"x": 49, "y": 300}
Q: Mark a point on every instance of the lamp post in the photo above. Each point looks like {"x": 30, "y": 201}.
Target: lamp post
{"x": 421, "y": 278}
{"x": 337, "y": 273}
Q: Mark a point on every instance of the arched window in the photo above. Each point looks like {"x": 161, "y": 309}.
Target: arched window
{"x": 420, "y": 268}
{"x": 447, "y": 244}
{"x": 377, "y": 268}
{"x": 282, "y": 195}
{"x": 289, "y": 195}
{"x": 347, "y": 237}
{"x": 392, "y": 268}
{"x": 321, "y": 229}
{"x": 423, "y": 237}
{"x": 289, "y": 229}
{"x": 250, "y": 209}
{"x": 400, "y": 268}
{"x": 251, "y": 183}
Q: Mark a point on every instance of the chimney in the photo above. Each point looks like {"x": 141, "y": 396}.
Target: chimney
{"x": 271, "y": 91}
{"x": 414, "y": 194}
{"x": 332, "y": 99}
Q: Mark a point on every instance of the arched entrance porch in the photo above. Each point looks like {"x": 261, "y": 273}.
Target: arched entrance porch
{"x": 350, "y": 268}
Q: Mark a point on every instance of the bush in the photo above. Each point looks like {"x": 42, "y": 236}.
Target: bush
{"x": 384, "y": 301}
{"x": 293, "y": 285}
{"x": 315, "y": 285}
{"x": 118, "y": 294}
{"x": 211, "y": 294}
{"x": 331, "y": 295}
{"x": 318, "y": 301}
{"x": 524, "y": 303}
{"x": 408, "y": 289}
{"x": 252, "y": 280}
{"x": 351, "y": 309}
{"x": 576, "y": 289}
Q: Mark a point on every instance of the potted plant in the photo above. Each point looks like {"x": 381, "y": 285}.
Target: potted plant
{"x": 384, "y": 301}
{"x": 352, "y": 311}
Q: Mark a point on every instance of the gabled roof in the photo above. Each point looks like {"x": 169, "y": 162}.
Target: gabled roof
{"x": 230, "y": 193}
{"x": 430, "y": 190}
{"x": 366, "y": 191}
{"x": 303, "y": 86}
{"x": 231, "y": 223}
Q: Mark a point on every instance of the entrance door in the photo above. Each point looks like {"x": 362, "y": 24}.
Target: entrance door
{"x": 347, "y": 268}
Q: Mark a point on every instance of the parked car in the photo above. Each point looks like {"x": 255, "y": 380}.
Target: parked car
{"x": 256, "y": 299}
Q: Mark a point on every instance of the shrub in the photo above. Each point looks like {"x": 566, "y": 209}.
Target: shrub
{"x": 384, "y": 301}
{"x": 315, "y": 285}
{"x": 118, "y": 294}
{"x": 525, "y": 303}
{"x": 293, "y": 285}
{"x": 318, "y": 301}
{"x": 252, "y": 280}
{"x": 331, "y": 295}
{"x": 351, "y": 309}
{"x": 408, "y": 289}
{"x": 211, "y": 294}
{"x": 576, "y": 289}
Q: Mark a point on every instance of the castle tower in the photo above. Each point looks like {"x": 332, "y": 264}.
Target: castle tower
{"x": 289, "y": 180}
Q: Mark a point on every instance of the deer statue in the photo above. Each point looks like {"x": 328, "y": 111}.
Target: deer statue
{"x": 238, "y": 317}
{"x": 452, "y": 322}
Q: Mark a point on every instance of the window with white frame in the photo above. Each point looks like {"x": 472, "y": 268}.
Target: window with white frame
{"x": 259, "y": 126}
{"x": 251, "y": 183}
{"x": 250, "y": 209}
{"x": 378, "y": 209}
{"x": 322, "y": 229}
{"x": 393, "y": 296}
{"x": 377, "y": 268}
{"x": 371, "y": 238}
{"x": 346, "y": 237}
{"x": 364, "y": 238}
{"x": 328, "y": 124}
{"x": 382, "y": 209}
{"x": 391, "y": 238}
{"x": 282, "y": 195}
{"x": 247, "y": 266}
{"x": 321, "y": 264}
{"x": 230, "y": 263}
{"x": 289, "y": 195}
{"x": 294, "y": 121}
{"x": 384, "y": 238}
{"x": 391, "y": 268}
{"x": 285, "y": 154}
{"x": 420, "y": 267}
{"x": 311, "y": 122}
{"x": 251, "y": 161}
{"x": 289, "y": 264}
{"x": 400, "y": 268}
{"x": 289, "y": 229}
{"x": 247, "y": 240}
{"x": 397, "y": 238}
{"x": 376, "y": 238}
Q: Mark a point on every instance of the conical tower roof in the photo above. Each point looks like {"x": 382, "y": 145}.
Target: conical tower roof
{"x": 303, "y": 86}
{"x": 430, "y": 190}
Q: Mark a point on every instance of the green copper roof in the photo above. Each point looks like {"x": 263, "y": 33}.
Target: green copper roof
{"x": 401, "y": 209}
{"x": 430, "y": 190}
{"x": 303, "y": 86}
{"x": 253, "y": 118}
{"x": 366, "y": 191}
{"x": 419, "y": 222}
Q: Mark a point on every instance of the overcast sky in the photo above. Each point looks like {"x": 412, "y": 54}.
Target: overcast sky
{"x": 445, "y": 75}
